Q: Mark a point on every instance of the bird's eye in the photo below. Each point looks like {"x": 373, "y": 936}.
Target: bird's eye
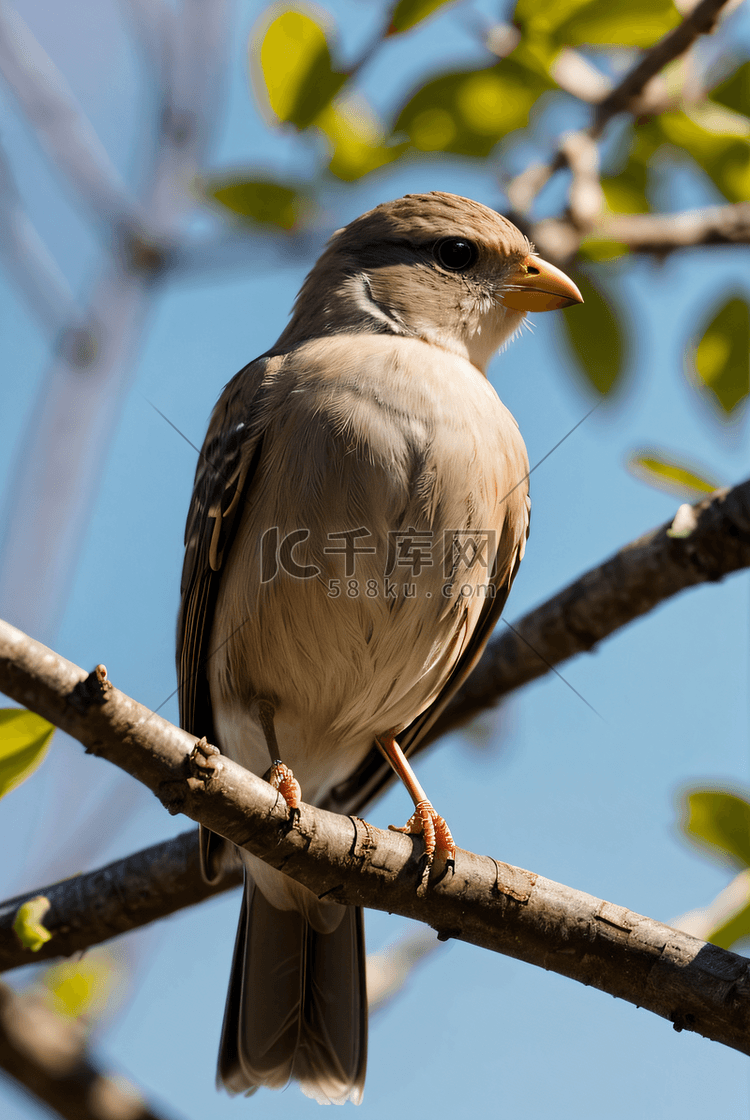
{"x": 455, "y": 254}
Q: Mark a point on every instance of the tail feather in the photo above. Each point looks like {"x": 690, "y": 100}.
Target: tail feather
{"x": 297, "y": 1004}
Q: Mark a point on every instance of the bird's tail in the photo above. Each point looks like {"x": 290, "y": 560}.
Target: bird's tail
{"x": 297, "y": 1004}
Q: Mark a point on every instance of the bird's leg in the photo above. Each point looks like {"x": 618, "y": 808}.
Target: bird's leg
{"x": 424, "y": 820}
{"x": 279, "y": 775}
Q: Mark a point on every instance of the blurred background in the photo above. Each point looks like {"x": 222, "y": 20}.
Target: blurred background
{"x": 168, "y": 174}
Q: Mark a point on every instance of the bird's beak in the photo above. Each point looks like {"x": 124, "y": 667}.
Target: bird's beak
{"x": 539, "y": 286}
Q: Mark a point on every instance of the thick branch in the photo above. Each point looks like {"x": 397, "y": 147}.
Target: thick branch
{"x": 636, "y": 579}
{"x": 48, "y": 1055}
{"x": 123, "y": 896}
{"x": 639, "y": 577}
{"x": 696, "y": 986}
{"x": 160, "y": 880}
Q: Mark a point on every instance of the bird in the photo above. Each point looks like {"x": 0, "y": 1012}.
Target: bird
{"x": 359, "y": 512}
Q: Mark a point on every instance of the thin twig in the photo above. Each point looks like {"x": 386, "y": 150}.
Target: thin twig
{"x": 523, "y": 189}
{"x": 728, "y": 907}
{"x": 153, "y": 23}
{"x": 56, "y": 474}
{"x": 701, "y": 21}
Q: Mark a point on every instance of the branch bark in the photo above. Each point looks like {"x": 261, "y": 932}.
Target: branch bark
{"x": 150, "y": 884}
{"x": 48, "y": 1056}
{"x": 125, "y": 895}
{"x": 639, "y": 577}
{"x": 696, "y": 986}
{"x": 663, "y": 233}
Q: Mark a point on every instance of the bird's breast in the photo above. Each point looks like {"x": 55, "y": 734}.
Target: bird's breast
{"x": 390, "y": 485}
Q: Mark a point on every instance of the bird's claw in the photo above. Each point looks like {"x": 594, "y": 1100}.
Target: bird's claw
{"x": 205, "y": 760}
{"x": 283, "y": 780}
{"x": 425, "y": 821}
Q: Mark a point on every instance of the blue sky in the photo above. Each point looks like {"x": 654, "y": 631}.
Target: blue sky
{"x": 584, "y": 799}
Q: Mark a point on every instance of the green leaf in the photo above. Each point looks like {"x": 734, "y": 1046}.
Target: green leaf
{"x": 596, "y": 337}
{"x": 538, "y": 56}
{"x": 408, "y": 13}
{"x": 622, "y": 23}
{"x": 84, "y": 988}
{"x": 646, "y": 140}
{"x": 24, "y": 739}
{"x": 720, "y": 821}
{"x": 626, "y": 193}
{"x": 468, "y": 111}
{"x": 27, "y": 924}
{"x": 734, "y": 92}
{"x": 722, "y": 357}
{"x": 357, "y": 139}
{"x": 595, "y": 248}
{"x": 718, "y": 141}
{"x": 261, "y": 201}
{"x": 538, "y": 18}
{"x": 665, "y": 473}
{"x": 297, "y": 69}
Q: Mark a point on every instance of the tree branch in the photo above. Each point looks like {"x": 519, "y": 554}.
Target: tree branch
{"x": 701, "y": 21}
{"x": 696, "y": 986}
{"x": 523, "y": 189}
{"x": 125, "y": 895}
{"x": 148, "y": 885}
{"x": 152, "y": 23}
{"x": 663, "y": 233}
{"x": 48, "y": 1056}
{"x": 636, "y": 579}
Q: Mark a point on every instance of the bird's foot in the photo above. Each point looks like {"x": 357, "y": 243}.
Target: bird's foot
{"x": 427, "y": 822}
{"x": 283, "y": 780}
{"x": 205, "y": 760}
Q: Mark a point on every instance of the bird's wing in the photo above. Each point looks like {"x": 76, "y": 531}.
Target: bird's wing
{"x": 374, "y": 773}
{"x": 225, "y": 471}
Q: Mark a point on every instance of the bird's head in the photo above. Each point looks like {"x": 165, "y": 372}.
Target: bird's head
{"x": 431, "y": 266}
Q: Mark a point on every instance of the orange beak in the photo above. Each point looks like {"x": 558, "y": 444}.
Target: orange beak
{"x": 539, "y": 286}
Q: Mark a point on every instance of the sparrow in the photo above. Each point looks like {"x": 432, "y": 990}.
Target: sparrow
{"x": 359, "y": 512}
